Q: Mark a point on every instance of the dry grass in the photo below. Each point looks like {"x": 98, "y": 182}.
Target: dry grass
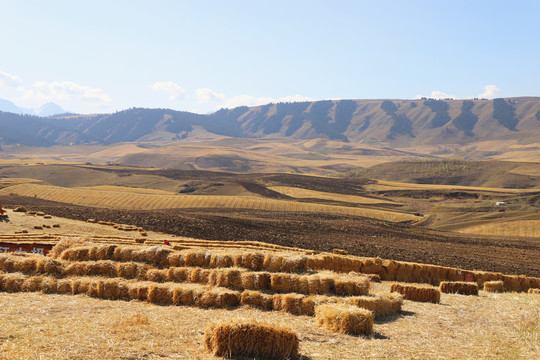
{"x": 529, "y": 228}
{"x": 79, "y": 327}
{"x": 138, "y": 201}
{"x": 312, "y": 194}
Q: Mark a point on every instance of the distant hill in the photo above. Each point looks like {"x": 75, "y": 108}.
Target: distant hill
{"x": 47, "y": 109}
{"x": 391, "y": 123}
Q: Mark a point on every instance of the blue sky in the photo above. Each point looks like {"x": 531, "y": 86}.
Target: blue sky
{"x": 103, "y": 56}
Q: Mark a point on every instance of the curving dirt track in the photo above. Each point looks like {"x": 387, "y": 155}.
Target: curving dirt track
{"x": 322, "y": 232}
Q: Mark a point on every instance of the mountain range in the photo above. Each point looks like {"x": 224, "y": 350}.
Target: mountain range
{"x": 47, "y": 109}
{"x": 392, "y": 123}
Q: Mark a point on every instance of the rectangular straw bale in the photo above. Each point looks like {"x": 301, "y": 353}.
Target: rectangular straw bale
{"x": 80, "y": 286}
{"x": 315, "y": 262}
{"x": 176, "y": 258}
{"x": 534, "y": 291}
{"x": 291, "y": 303}
{"x": 281, "y": 282}
{"x": 77, "y": 269}
{"x": 257, "y": 261}
{"x": 12, "y": 282}
{"x": 160, "y": 294}
{"x": 511, "y": 283}
{"x": 50, "y": 266}
{"x": 104, "y": 252}
{"x": 221, "y": 261}
{"x": 421, "y": 293}
{"x": 256, "y": 280}
{"x": 459, "y": 287}
{"x": 320, "y": 284}
{"x": 131, "y": 270}
{"x": 345, "y": 319}
{"x": 64, "y": 286}
{"x": 64, "y": 244}
{"x": 273, "y": 263}
{"x": 32, "y": 284}
{"x": 183, "y": 295}
{"x": 381, "y": 305}
{"x": 138, "y": 291}
{"x": 524, "y": 283}
{"x": 156, "y": 275}
{"x": 177, "y": 274}
{"x": 494, "y": 286}
{"x": 75, "y": 253}
{"x": 124, "y": 253}
{"x": 112, "y": 289}
{"x": 309, "y": 303}
{"x": 230, "y": 278}
{"x": 456, "y": 274}
{"x": 303, "y": 284}
{"x": 249, "y": 339}
{"x": 157, "y": 255}
{"x": 25, "y": 265}
{"x": 389, "y": 269}
{"x": 49, "y": 285}
{"x": 351, "y": 285}
{"x": 295, "y": 264}
{"x": 257, "y": 299}
{"x": 195, "y": 258}
{"x": 404, "y": 272}
{"x": 370, "y": 266}
{"x": 218, "y": 298}
{"x": 484, "y": 276}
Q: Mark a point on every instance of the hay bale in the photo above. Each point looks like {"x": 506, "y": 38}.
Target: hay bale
{"x": 345, "y": 319}
{"x": 221, "y": 261}
{"x": 226, "y": 278}
{"x": 389, "y": 269}
{"x": 176, "y": 274}
{"x": 534, "y": 291}
{"x": 40, "y": 213}
{"x": 381, "y": 305}
{"x": 218, "y": 298}
{"x": 421, "y": 293}
{"x": 251, "y": 340}
{"x": 404, "y": 272}
{"x": 160, "y": 294}
{"x": 295, "y": 264}
{"x": 494, "y": 286}
{"x": 63, "y": 286}
{"x": 49, "y": 285}
{"x": 291, "y": 303}
{"x": 92, "y": 221}
{"x": 25, "y": 264}
{"x": 339, "y": 251}
{"x": 196, "y": 258}
{"x": 256, "y": 280}
{"x": 371, "y": 266}
{"x": 257, "y": 299}
{"x": 38, "y": 227}
{"x": 131, "y": 270}
{"x": 32, "y": 284}
{"x": 284, "y": 283}
{"x": 351, "y": 285}
{"x": 156, "y": 275}
{"x": 12, "y": 282}
{"x": 459, "y": 287}
{"x": 184, "y": 296}
{"x": 64, "y": 244}
{"x": 20, "y": 209}
{"x": 112, "y": 289}
{"x": 138, "y": 291}
{"x": 176, "y": 259}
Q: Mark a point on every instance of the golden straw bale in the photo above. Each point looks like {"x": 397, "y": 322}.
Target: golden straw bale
{"x": 221, "y": 261}
{"x": 226, "y": 278}
{"x": 25, "y": 264}
{"x": 494, "y": 286}
{"x": 251, "y": 339}
{"x": 484, "y": 276}
{"x": 511, "y": 283}
{"x": 160, "y": 294}
{"x": 218, "y": 298}
{"x": 82, "y": 286}
{"x": 124, "y": 253}
{"x": 351, "y": 285}
{"x": 534, "y": 291}
{"x": 524, "y": 283}
{"x": 315, "y": 262}
{"x": 64, "y": 286}
{"x": 345, "y": 319}
{"x": 50, "y": 266}
{"x": 49, "y": 285}
{"x": 256, "y": 280}
{"x": 77, "y": 269}
{"x": 257, "y": 299}
{"x": 138, "y": 291}
{"x": 131, "y": 270}
{"x": 404, "y": 272}
{"x": 7, "y": 262}
{"x": 184, "y": 295}
{"x": 157, "y": 255}
{"x": 381, "y": 305}
{"x": 106, "y": 268}
{"x": 112, "y": 289}
{"x": 273, "y": 263}
{"x": 75, "y": 253}
{"x": 309, "y": 303}
{"x": 93, "y": 288}
{"x": 284, "y": 283}
{"x": 195, "y": 258}
{"x": 257, "y": 261}
{"x": 156, "y": 275}
{"x": 177, "y": 274}
{"x": 12, "y": 282}
{"x": 319, "y": 284}
{"x": 370, "y": 266}
{"x": 176, "y": 259}
{"x": 199, "y": 275}
{"x": 105, "y": 252}
{"x": 32, "y": 284}
{"x": 294, "y": 264}
{"x": 459, "y": 287}
{"x": 339, "y": 251}
{"x": 389, "y": 269}
{"x": 421, "y": 293}
{"x": 66, "y": 243}
{"x": 455, "y": 275}
{"x": 291, "y": 303}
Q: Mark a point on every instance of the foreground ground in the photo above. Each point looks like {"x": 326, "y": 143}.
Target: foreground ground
{"x": 489, "y": 326}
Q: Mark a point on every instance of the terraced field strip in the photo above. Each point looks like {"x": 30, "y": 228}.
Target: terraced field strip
{"x": 382, "y": 185}
{"x": 312, "y": 194}
{"x": 136, "y": 201}
{"x": 527, "y": 228}
{"x": 136, "y": 190}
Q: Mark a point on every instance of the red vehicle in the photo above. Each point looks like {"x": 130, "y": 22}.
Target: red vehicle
{"x": 501, "y": 210}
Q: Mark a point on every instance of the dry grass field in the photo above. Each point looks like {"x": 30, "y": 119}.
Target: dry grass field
{"x": 136, "y": 200}
{"x": 312, "y": 194}
{"x": 526, "y": 228}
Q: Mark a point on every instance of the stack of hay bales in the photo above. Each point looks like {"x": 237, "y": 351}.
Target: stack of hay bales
{"x": 494, "y": 286}
{"x": 346, "y": 319}
{"x": 421, "y": 293}
{"x": 459, "y": 287}
{"x": 534, "y": 291}
{"x": 251, "y": 339}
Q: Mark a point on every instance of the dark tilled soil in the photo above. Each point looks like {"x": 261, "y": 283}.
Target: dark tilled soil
{"x": 322, "y": 232}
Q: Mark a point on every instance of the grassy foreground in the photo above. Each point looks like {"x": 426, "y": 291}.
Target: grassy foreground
{"x": 490, "y": 326}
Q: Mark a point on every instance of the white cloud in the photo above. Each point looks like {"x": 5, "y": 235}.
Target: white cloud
{"x": 65, "y": 91}
{"x": 8, "y": 80}
{"x": 219, "y": 100}
{"x": 175, "y": 91}
{"x": 490, "y": 92}
{"x": 436, "y": 94}
{"x": 205, "y": 95}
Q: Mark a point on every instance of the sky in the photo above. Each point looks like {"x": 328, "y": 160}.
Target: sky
{"x": 105, "y": 56}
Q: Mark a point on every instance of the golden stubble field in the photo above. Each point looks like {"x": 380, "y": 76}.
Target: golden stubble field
{"x": 489, "y": 326}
